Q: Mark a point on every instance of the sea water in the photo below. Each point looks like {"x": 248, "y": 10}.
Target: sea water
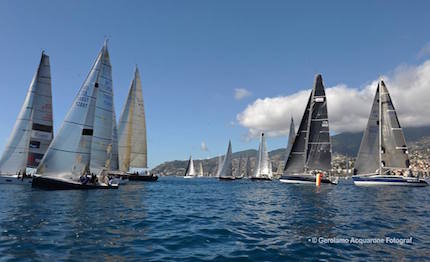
{"x": 203, "y": 219}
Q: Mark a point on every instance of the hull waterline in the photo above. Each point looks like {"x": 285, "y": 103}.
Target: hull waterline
{"x": 260, "y": 179}
{"x": 227, "y": 178}
{"x": 143, "y": 178}
{"x": 58, "y": 184}
{"x": 297, "y": 179}
{"x": 389, "y": 181}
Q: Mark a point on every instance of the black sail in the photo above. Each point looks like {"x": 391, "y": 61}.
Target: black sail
{"x": 394, "y": 152}
{"x": 297, "y": 156}
{"x": 367, "y": 161}
{"x": 318, "y": 151}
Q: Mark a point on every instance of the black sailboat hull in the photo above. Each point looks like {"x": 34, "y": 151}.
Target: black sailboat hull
{"x": 227, "y": 178}
{"x": 150, "y": 178}
{"x": 297, "y": 179}
{"x": 55, "y": 184}
{"x": 260, "y": 179}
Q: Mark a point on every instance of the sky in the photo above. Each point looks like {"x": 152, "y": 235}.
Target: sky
{"x": 219, "y": 70}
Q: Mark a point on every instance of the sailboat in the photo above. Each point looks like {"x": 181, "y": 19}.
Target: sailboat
{"x": 201, "y": 174}
{"x": 33, "y": 129}
{"x": 226, "y": 172}
{"x": 67, "y": 162}
{"x": 239, "y": 174}
{"x": 190, "y": 172}
{"x": 219, "y": 166}
{"x": 248, "y": 172}
{"x": 383, "y": 155}
{"x": 132, "y": 143}
{"x": 310, "y": 152}
{"x": 263, "y": 169}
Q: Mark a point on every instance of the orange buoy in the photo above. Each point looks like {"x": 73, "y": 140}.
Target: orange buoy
{"x": 318, "y": 179}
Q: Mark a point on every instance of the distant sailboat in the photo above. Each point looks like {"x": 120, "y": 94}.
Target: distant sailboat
{"x": 311, "y": 151}
{"x": 201, "y": 174}
{"x": 67, "y": 161}
{"x": 239, "y": 174}
{"x": 132, "y": 143}
{"x": 383, "y": 156}
{"x": 263, "y": 169}
{"x": 226, "y": 172}
{"x": 219, "y": 166}
{"x": 33, "y": 129}
{"x": 190, "y": 172}
{"x": 248, "y": 172}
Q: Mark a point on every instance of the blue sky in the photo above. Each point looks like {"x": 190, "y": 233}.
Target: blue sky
{"x": 193, "y": 54}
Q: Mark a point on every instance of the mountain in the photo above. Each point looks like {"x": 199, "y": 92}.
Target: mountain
{"x": 348, "y": 143}
{"x": 344, "y": 144}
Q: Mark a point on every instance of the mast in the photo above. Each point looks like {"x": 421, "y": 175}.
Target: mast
{"x": 102, "y": 140}
{"x": 380, "y": 129}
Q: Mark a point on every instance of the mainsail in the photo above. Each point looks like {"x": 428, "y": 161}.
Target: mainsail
{"x": 102, "y": 139}
{"x": 33, "y": 131}
{"x": 264, "y": 165}
{"x": 318, "y": 153}
{"x": 383, "y": 145}
{"x": 190, "y": 168}
{"x": 114, "y": 160}
{"x": 227, "y": 165}
{"x": 69, "y": 154}
{"x": 311, "y": 149}
{"x": 132, "y": 129}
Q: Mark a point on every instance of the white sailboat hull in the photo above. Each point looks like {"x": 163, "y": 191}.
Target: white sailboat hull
{"x": 388, "y": 181}
{"x": 189, "y": 177}
{"x": 306, "y": 179}
{"x": 14, "y": 180}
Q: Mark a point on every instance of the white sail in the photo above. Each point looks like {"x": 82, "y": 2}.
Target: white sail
{"x": 201, "y": 169}
{"x": 219, "y": 166}
{"x": 114, "y": 161}
{"x": 264, "y": 165}
{"x": 132, "y": 143}
{"x": 190, "y": 171}
{"x": 227, "y": 166}
{"x": 33, "y": 130}
{"x": 69, "y": 154}
{"x": 102, "y": 139}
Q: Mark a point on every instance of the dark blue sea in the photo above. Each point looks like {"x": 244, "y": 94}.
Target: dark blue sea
{"x": 178, "y": 219}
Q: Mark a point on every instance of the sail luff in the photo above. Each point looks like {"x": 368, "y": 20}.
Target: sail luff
{"x": 291, "y": 137}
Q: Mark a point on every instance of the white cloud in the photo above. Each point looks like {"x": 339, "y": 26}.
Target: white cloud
{"x": 204, "y": 147}
{"x": 240, "y": 93}
{"x": 348, "y": 107}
